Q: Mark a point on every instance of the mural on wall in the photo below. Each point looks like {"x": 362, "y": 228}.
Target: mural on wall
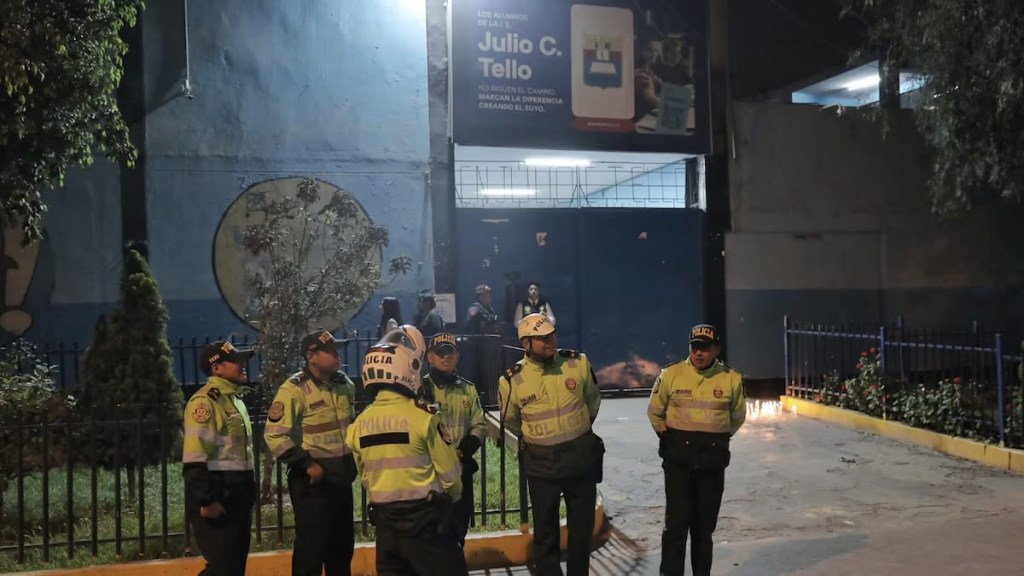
{"x": 26, "y": 279}
{"x": 234, "y": 265}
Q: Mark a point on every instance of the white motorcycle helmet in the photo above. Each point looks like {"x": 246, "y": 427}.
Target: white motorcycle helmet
{"x": 535, "y": 325}
{"x": 408, "y": 336}
{"x": 394, "y": 362}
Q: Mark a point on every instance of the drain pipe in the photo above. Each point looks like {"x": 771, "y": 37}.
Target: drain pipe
{"x": 186, "y": 86}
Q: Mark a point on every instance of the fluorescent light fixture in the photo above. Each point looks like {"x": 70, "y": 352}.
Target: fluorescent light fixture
{"x": 507, "y": 192}
{"x": 558, "y": 162}
{"x": 862, "y": 82}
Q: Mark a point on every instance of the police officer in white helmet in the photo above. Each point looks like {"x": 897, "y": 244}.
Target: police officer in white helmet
{"x": 407, "y": 463}
{"x": 550, "y": 399}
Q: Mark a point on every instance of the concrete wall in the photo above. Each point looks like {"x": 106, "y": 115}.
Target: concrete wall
{"x": 334, "y": 90}
{"x": 832, "y": 223}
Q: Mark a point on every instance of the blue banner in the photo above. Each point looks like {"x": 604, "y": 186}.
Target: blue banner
{"x": 605, "y": 75}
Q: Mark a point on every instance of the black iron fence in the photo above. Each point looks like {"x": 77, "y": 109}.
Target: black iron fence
{"x": 81, "y": 484}
{"x": 77, "y": 485}
{"x": 981, "y": 369}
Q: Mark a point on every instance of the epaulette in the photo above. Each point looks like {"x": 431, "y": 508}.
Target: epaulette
{"x": 297, "y": 378}
{"x": 428, "y": 408}
{"x": 213, "y": 394}
{"x": 512, "y": 372}
{"x": 567, "y": 353}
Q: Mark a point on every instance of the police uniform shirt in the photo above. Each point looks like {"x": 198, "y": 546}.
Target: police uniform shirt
{"x": 218, "y": 437}
{"x": 687, "y": 399}
{"x": 458, "y": 405}
{"x": 308, "y": 420}
{"x": 403, "y": 451}
{"x": 550, "y": 403}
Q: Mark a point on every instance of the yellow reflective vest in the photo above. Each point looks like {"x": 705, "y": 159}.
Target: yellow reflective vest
{"x": 458, "y": 405}
{"x": 548, "y": 404}
{"x": 403, "y": 451}
{"x": 217, "y": 451}
{"x": 691, "y": 400}
{"x": 307, "y": 422}
{"x": 218, "y": 432}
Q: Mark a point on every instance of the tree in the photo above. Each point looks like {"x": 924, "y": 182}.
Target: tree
{"x": 971, "y": 55}
{"x": 318, "y": 261}
{"x": 60, "y": 65}
{"x": 128, "y": 374}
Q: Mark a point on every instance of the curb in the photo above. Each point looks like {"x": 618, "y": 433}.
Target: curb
{"x": 987, "y": 454}
{"x": 483, "y": 551}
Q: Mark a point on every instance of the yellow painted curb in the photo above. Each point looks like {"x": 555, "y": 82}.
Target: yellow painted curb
{"x": 987, "y": 454}
{"x": 483, "y": 551}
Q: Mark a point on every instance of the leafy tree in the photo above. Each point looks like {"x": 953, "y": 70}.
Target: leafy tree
{"x": 319, "y": 261}
{"x": 129, "y": 375}
{"x": 60, "y": 65}
{"x": 971, "y": 54}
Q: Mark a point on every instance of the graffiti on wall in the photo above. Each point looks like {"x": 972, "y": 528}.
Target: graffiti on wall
{"x": 234, "y": 265}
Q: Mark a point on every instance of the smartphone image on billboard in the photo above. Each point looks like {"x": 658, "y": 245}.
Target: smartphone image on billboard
{"x": 602, "y": 62}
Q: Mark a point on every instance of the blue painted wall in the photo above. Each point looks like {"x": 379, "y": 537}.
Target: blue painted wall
{"x": 332, "y": 90}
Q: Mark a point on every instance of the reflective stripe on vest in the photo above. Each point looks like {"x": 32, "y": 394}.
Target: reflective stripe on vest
{"x": 556, "y": 425}
{"x": 698, "y": 415}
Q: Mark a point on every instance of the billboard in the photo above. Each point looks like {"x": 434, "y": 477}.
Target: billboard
{"x": 603, "y": 75}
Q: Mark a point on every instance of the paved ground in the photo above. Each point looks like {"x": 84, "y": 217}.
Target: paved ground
{"x": 803, "y": 497}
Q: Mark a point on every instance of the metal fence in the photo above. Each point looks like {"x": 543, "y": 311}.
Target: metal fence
{"x": 912, "y": 360}
{"x": 68, "y": 489}
{"x": 64, "y": 479}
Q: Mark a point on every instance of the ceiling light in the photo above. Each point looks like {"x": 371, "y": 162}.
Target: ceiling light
{"x": 558, "y": 162}
{"x": 507, "y": 192}
{"x": 862, "y": 82}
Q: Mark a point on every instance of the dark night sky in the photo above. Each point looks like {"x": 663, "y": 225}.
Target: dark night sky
{"x": 774, "y": 43}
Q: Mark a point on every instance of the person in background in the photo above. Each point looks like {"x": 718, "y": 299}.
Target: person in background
{"x": 390, "y": 315}
{"x": 481, "y": 317}
{"x": 533, "y": 303}
{"x": 428, "y": 317}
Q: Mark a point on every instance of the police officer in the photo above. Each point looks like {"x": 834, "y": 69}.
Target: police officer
{"x": 696, "y": 405}
{"x": 481, "y": 317}
{"x": 428, "y": 317}
{"x": 549, "y": 399}
{"x": 217, "y": 462}
{"x": 407, "y": 464}
{"x": 458, "y": 404}
{"x": 306, "y": 427}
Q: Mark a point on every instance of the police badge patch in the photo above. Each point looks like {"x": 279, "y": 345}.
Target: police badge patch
{"x": 570, "y": 383}
{"x": 465, "y": 402}
{"x": 201, "y": 413}
{"x": 718, "y": 392}
{"x": 276, "y": 411}
{"x": 445, "y": 433}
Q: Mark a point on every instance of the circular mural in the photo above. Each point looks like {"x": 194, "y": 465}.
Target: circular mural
{"x": 234, "y": 265}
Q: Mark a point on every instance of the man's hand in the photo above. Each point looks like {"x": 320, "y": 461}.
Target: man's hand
{"x": 213, "y": 511}
{"x": 316, "y": 473}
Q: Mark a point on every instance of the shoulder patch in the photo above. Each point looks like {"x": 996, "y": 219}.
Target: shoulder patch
{"x": 567, "y": 353}
{"x": 276, "y": 411}
{"x": 428, "y": 408}
{"x": 213, "y": 394}
{"x": 512, "y": 372}
{"x": 202, "y": 411}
